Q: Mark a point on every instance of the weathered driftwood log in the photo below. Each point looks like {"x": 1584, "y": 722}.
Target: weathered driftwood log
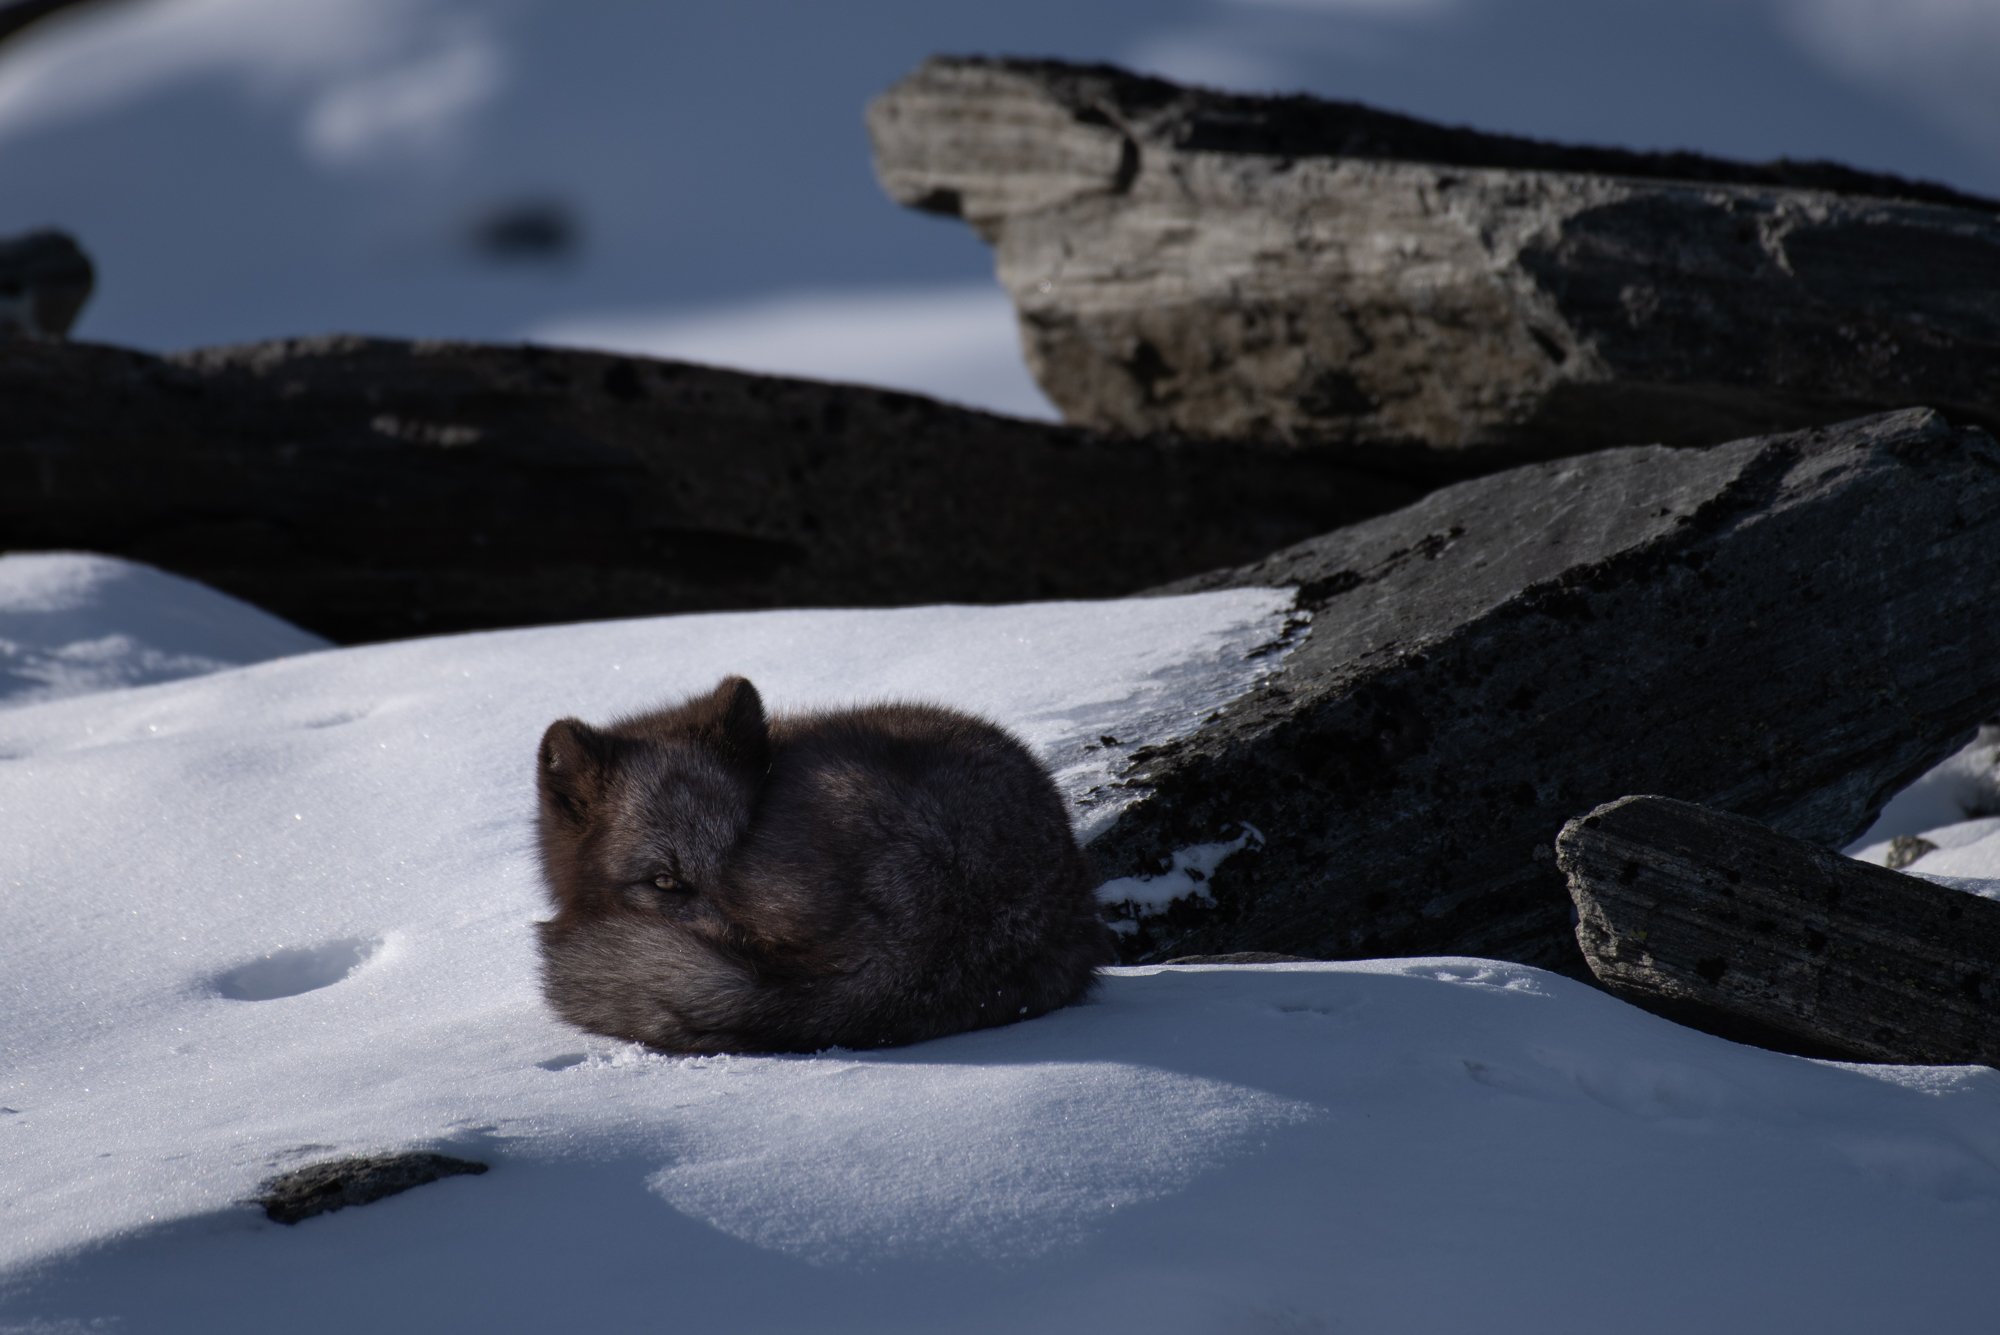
{"x": 1323, "y": 272}
{"x": 1726, "y": 925}
{"x": 1791, "y": 628}
{"x": 335, "y": 1184}
{"x": 368, "y": 489}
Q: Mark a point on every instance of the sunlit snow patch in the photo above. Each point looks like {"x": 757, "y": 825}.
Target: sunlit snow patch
{"x": 1964, "y": 785}
{"x": 195, "y": 879}
{"x": 1963, "y": 856}
{"x": 1186, "y": 1147}
{"x": 1129, "y": 898}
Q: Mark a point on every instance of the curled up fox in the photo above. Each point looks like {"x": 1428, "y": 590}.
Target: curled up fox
{"x": 727, "y": 881}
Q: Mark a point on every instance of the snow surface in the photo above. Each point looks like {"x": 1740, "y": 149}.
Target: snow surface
{"x": 72, "y": 622}
{"x": 282, "y": 912}
{"x": 1963, "y": 786}
{"x": 258, "y": 168}
{"x": 1952, "y": 806}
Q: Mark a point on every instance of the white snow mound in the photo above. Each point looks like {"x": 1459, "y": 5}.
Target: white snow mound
{"x": 282, "y": 912}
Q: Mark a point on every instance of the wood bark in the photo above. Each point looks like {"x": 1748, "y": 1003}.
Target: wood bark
{"x": 335, "y": 1184}
{"x": 1723, "y": 923}
{"x": 1792, "y": 628}
{"x": 371, "y": 489}
{"x": 1340, "y": 277}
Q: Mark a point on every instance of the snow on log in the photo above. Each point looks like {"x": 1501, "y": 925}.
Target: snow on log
{"x": 1730, "y": 927}
{"x": 1336, "y": 275}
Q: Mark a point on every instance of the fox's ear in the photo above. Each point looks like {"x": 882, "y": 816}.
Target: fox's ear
{"x": 739, "y": 729}
{"x": 570, "y": 769}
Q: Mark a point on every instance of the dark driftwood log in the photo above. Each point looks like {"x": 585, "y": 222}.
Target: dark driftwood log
{"x": 1731, "y": 927}
{"x": 369, "y": 489}
{"x": 1791, "y": 628}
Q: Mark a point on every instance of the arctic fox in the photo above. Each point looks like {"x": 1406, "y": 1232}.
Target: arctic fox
{"x": 858, "y": 878}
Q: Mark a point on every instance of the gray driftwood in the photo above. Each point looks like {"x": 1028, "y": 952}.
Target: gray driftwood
{"x": 1726, "y": 925}
{"x": 1791, "y": 628}
{"x": 335, "y": 1184}
{"x": 1905, "y": 849}
{"x": 1324, "y": 272}
{"x": 369, "y": 489}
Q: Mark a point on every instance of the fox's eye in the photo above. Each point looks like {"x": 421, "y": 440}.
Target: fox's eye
{"x": 666, "y": 881}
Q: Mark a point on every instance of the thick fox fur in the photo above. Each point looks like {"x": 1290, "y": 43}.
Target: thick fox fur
{"x": 723, "y": 882}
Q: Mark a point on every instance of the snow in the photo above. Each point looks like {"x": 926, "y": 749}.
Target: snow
{"x": 280, "y": 912}
{"x": 955, "y": 343}
{"x": 1951, "y": 807}
{"x": 246, "y": 169}
{"x": 1185, "y": 876}
{"x": 1963, "y": 785}
{"x": 72, "y": 622}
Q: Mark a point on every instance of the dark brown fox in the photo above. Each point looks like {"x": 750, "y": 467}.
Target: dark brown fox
{"x": 727, "y": 883}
